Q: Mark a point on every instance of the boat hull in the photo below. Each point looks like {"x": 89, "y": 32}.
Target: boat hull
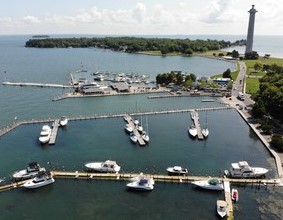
{"x": 98, "y": 167}
{"x": 206, "y": 185}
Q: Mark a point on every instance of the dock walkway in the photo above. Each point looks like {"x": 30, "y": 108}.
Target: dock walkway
{"x": 195, "y": 118}
{"x": 36, "y": 84}
{"x": 228, "y": 198}
{"x": 54, "y": 131}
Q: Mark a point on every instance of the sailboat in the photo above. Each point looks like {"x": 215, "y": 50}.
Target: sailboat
{"x": 205, "y": 131}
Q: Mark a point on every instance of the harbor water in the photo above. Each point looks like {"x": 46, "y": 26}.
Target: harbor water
{"x": 82, "y": 141}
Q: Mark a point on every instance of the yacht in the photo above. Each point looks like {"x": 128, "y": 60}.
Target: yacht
{"x": 141, "y": 176}
{"x": 145, "y": 136}
{"x": 243, "y": 170}
{"x": 142, "y": 184}
{"x": 128, "y": 128}
{"x": 30, "y": 172}
{"x": 133, "y": 138}
{"x": 177, "y": 170}
{"x": 41, "y": 179}
{"x": 45, "y": 134}
{"x": 211, "y": 184}
{"x": 109, "y": 166}
{"x": 63, "y": 121}
{"x": 221, "y": 208}
{"x": 193, "y": 130}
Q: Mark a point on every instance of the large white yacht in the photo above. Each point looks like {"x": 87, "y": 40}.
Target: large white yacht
{"x": 211, "y": 184}
{"x": 177, "y": 170}
{"x": 142, "y": 184}
{"x": 41, "y": 179}
{"x": 45, "y": 134}
{"x": 243, "y": 170}
{"x": 109, "y": 166}
{"x": 30, "y": 172}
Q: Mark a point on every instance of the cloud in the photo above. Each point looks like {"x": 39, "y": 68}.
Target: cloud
{"x": 31, "y": 20}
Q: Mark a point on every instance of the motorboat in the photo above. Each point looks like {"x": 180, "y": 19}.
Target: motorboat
{"x": 109, "y": 166}
{"x": 205, "y": 132}
{"x": 141, "y": 176}
{"x": 211, "y": 184}
{"x": 221, "y": 208}
{"x": 142, "y": 184}
{"x": 139, "y": 128}
{"x": 31, "y": 171}
{"x": 193, "y": 130}
{"x": 63, "y": 121}
{"x": 136, "y": 122}
{"x": 133, "y": 138}
{"x": 45, "y": 134}
{"x": 243, "y": 170}
{"x": 128, "y": 128}
{"x": 145, "y": 136}
{"x": 41, "y": 179}
{"x": 177, "y": 170}
{"x": 234, "y": 195}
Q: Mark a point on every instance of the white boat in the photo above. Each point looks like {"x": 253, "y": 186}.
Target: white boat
{"x": 133, "y": 138}
{"x": 221, "y": 208}
{"x": 243, "y": 170}
{"x": 177, "y": 170}
{"x": 142, "y": 184}
{"x": 128, "y": 128}
{"x": 145, "y": 136}
{"x": 211, "y": 184}
{"x": 136, "y": 122}
{"x": 30, "y": 172}
{"x": 205, "y": 132}
{"x": 234, "y": 195}
{"x": 139, "y": 128}
{"x": 109, "y": 166}
{"x": 63, "y": 121}
{"x": 141, "y": 176}
{"x": 45, "y": 134}
{"x": 41, "y": 179}
{"x": 193, "y": 130}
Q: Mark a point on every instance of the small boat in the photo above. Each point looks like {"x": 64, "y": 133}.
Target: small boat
{"x": 221, "y": 208}
{"x": 205, "y": 132}
{"x": 193, "y": 130}
{"x": 139, "y": 128}
{"x": 31, "y": 171}
{"x": 142, "y": 184}
{"x": 133, "y": 138}
{"x": 145, "y": 136}
{"x": 235, "y": 195}
{"x": 63, "y": 121}
{"x": 45, "y": 134}
{"x": 243, "y": 170}
{"x": 141, "y": 176}
{"x": 41, "y": 179}
{"x": 136, "y": 122}
{"x": 128, "y": 128}
{"x": 211, "y": 184}
{"x": 109, "y": 166}
{"x": 177, "y": 170}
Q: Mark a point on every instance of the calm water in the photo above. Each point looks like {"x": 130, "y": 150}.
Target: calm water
{"x": 230, "y": 140}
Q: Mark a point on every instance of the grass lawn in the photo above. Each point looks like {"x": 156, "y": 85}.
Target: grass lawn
{"x": 252, "y": 85}
{"x": 250, "y": 64}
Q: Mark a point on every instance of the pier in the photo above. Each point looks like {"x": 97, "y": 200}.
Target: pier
{"x": 195, "y": 118}
{"x": 54, "y": 131}
{"x": 228, "y": 198}
{"x": 129, "y": 120}
{"x": 50, "y": 85}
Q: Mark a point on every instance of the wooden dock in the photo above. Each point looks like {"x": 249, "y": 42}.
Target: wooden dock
{"x": 54, "y": 131}
{"x": 50, "y": 85}
{"x": 129, "y": 120}
{"x": 195, "y": 118}
{"x": 228, "y": 198}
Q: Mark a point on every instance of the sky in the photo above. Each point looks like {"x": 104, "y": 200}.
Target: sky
{"x": 143, "y": 17}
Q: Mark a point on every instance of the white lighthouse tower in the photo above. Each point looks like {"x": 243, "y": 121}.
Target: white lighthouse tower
{"x": 250, "y": 36}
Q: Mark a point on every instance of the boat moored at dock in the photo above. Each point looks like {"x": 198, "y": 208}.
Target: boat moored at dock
{"x": 63, "y": 121}
{"x": 193, "y": 131}
{"x": 211, "y": 184}
{"x": 41, "y": 179}
{"x": 31, "y": 171}
{"x": 221, "y": 208}
{"x": 141, "y": 184}
{"x": 177, "y": 170}
{"x": 109, "y": 166}
{"x": 45, "y": 134}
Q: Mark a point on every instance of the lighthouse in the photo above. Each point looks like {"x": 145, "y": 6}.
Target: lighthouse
{"x": 250, "y": 36}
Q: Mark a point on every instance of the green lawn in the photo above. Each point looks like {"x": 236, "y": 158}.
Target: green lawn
{"x": 252, "y": 85}
{"x": 250, "y": 64}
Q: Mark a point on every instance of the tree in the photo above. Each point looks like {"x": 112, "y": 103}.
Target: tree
{"x": 251, "y": 55}
{"x": 235, "y": 54}
{"x": 258, "y": 66}
{"x": 188, "y": 51}
{"x": 227, "y": 74}
{"x": 277, "y": 142}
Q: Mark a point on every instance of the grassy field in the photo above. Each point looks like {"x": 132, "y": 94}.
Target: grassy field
{"x": 252, "y": 85}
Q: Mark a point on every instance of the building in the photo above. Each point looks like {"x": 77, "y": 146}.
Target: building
{"x": 250, "y": 35}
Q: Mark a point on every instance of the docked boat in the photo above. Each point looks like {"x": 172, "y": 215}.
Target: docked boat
{"x": 128, "y": 128}
{"x": 109, "y": 166}
{"x": 193, "y": 130}
{"x": 31, "y": 171}
{"x": 63, "y": 121}
{"x": 177, "y": 170}
{"x": 221, "y": 208}
{"x": 139, "y": 128}
{"x": 145, "y": 136}
{"x": 133, "y": 138}
{"x": 211, "y": 184}
{"x": 205, "y": 132}
{"x": 243, "y": 170}
{"x": 45, "y": 134}
{"x": 234, "y": 195}
{"x": 142, "y": 184}
{"x": 141, "y": 176}
{"x": 40, "y": 180}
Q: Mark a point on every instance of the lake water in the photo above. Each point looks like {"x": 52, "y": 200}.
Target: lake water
{"x": 230, "y": 140}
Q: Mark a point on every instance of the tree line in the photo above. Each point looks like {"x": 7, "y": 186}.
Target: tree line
{"x": 135, "y": 44}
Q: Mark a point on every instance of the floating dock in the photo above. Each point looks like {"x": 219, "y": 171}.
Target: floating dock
{"x": 129, "y": 120}
{"x": 54, "y": 131}
{"x": 228, "y": 198}
{"x": 195, "y": 118}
